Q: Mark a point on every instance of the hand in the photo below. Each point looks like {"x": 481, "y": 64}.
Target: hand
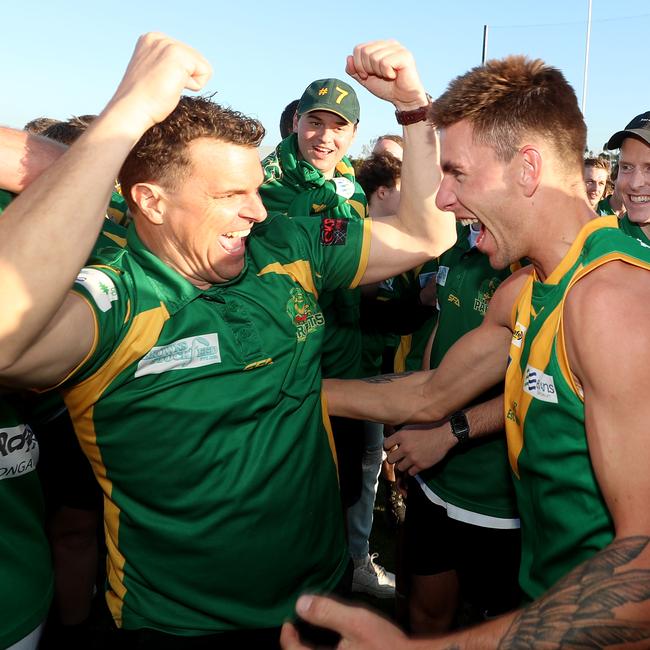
{"x": 359, "y": 628}
{"x": 387, "y": 69}
{"x": 419, "y": 447}
{"x": 158, "y": 72}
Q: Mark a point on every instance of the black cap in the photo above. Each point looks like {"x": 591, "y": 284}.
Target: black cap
{"x": 639, "y": 127}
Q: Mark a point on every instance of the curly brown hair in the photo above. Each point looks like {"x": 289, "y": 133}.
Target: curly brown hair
{"x": 160, "y": 156}
{"x": 507, "y": 99}
{"x": 379, "y": 169}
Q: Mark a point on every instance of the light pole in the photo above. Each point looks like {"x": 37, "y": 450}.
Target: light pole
{"x": 584, "y": 81}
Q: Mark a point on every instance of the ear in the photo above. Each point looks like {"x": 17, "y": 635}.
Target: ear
{"x": 150, "y": 199}
{"x": 530, "y": 172}
{"x": 295, "y": 122}
{"x": 380, "y": 192}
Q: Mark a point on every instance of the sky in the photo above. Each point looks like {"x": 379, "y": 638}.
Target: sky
{"x": 65, "y": 58}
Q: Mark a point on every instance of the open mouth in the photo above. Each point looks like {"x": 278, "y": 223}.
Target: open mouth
{"x": 476, "y": 226}
{"x": 233, "y": 242}
{"x": 322, "y": 152}
{"x": 640, "y": 198}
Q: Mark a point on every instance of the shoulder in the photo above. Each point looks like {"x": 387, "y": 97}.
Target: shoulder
{"x": 606, "y": 317}
{"x": 505, "y": 298}
{"x": 617, "y": 287}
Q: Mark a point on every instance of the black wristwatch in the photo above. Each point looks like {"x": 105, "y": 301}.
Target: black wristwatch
{"x": 460, "y": 427}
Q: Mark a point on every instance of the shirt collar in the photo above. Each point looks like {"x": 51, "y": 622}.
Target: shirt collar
{"x": 174, "y": 290}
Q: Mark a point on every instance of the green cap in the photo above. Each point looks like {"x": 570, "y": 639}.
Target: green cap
{"x": 331, "y": 95}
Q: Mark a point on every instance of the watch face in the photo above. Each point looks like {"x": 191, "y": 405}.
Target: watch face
{"x": 460, "y": 426}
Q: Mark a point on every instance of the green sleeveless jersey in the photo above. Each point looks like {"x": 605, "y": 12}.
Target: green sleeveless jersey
{"x": 26, "y": 582}
{"x": 200, "y": 411}
{"x": 475, "y": 478}
{"x": 564, "y": 519}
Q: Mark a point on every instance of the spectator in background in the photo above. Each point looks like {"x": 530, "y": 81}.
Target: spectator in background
{"x": 596, "y": 174}
{"x": 389, "y": 143}
{"x": 286, "y": 119}
{"x": 612, "y": 203}
{"x": 633, "y": 181}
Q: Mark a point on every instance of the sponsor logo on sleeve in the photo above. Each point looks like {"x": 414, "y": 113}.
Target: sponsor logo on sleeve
{"x": 518, "y": 334}
{"x": 540, "y": 385}
{"x": 99, "y": 286}
{"x": 18, "y": 451}
{"x": 190, "y": 352}
{"x": 333, "y": 232}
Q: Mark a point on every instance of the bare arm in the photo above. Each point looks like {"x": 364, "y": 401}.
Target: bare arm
{"x": 24, "y": 157}
{"x": 419, "y": 447}
{"x": 473, "y": 364}
{"x": 605, "y": 601}
{"x": 53, "y": 224}
{"x": 419, "y": 231}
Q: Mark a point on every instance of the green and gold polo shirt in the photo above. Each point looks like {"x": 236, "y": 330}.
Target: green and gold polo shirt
{"x": 201, "y": 414}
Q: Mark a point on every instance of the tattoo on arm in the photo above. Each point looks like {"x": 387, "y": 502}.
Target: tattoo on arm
{"x": 387, "y": 379}
{"x": 583, "y": 610}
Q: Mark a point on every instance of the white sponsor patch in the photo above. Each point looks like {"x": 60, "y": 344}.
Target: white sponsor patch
{"x": 100, "y": 287}
{"x": 518, "y": 334}
{"x": 191, "y": 352}
{"x": 441, "y": 276}
{"x": 18, "y": 451}
{"x": 539, "y": 385}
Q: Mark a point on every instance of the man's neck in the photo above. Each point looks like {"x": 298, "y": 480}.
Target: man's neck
{"x": 562, "y": 222}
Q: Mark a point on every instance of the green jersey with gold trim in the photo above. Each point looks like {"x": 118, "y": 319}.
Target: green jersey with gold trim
{"x": 564, "y": 518}
{"x": 473, "y": 477}
{"x": 26, "y": 585}
{"x": 201, "y": 413}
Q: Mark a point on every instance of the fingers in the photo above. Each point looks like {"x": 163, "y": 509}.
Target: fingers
{"x": 290, "y": 639}
{"x": 158, "y": 72}
{"x": 379, "y": 58}
{"x": 328, "y": 613}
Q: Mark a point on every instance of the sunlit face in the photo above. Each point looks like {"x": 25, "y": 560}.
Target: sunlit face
{"x": 209, "y": 216}
{"x": 323, "y": 139}
{"x": 595, "y": 183}
{"x": 477, "y": 186}
{"x": 633, "y": 180}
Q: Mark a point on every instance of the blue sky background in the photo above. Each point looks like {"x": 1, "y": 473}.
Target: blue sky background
{"x": 64, "y": 58}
